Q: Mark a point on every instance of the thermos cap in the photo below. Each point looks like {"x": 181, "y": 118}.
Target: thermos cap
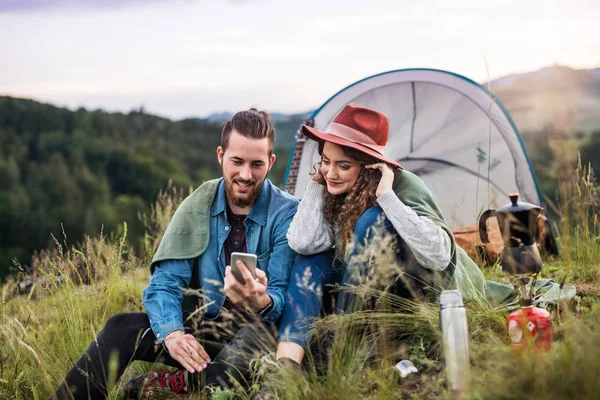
{"x": 451, "y": 298}
{"x": 405, "y": 368}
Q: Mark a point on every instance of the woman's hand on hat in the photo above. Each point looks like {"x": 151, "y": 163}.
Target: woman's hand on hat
{"x": 387, "y": 177}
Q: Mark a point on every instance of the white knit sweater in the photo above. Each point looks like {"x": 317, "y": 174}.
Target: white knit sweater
{"x": 309, "y": 233}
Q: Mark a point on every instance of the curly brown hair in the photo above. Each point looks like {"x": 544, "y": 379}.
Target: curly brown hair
{"x": 344, "y": 210}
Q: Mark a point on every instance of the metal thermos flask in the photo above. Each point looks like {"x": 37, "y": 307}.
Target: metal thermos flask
{"x": 455, "y": 336}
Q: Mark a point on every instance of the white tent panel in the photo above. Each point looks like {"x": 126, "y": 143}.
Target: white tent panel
{"x": 446, "y": 129}
{"x": 463, "y": 196}
{"x": 396, "y": 100}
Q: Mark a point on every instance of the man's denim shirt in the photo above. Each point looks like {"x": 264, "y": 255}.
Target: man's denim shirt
{"x": 266, "y": 228}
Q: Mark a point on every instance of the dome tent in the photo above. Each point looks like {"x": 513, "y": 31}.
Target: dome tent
{"x": 447, "y": 129}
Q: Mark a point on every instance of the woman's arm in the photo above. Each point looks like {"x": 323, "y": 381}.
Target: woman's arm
{"x": 309, "y": 233}
{"x": 430, "y": 244}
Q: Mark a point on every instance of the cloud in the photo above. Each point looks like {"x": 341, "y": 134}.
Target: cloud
{"x": 7, "y": 6}
{"x": 38, "y": 5}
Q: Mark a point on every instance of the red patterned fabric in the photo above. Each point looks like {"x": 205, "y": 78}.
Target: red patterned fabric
{"x": 172, "y": 381}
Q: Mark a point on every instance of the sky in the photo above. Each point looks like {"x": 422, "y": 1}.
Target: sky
{"x": 190, "y": 58}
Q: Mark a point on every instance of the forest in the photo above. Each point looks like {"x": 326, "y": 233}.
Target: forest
{"x": 75, "y": 173}
{"x": 83, "y": 172}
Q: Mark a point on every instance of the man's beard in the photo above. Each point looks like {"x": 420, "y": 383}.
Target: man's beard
{"x": 245, "y": 201}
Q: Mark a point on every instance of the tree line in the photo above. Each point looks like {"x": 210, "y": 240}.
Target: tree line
{"x": 83, "y": 172}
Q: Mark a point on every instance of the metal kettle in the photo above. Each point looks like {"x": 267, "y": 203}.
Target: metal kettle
{"x": 520, "y": 231}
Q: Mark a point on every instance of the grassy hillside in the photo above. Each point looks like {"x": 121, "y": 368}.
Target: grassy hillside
{"x": 44, "y": 332}
{"x": 92, "y": 171}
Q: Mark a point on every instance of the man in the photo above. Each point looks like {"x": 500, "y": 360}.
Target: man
{"x": 242, "y": 212}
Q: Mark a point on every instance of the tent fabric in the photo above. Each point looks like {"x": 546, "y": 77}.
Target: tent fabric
{"x": 447, "y": 129}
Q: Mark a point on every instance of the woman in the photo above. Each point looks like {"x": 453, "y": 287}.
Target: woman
{"x": 359, "y": 204}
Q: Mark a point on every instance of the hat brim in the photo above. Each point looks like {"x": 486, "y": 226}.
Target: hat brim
{"x": 321, "y": 136}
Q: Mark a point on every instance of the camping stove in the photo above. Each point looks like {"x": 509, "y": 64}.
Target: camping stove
{"x": 528, "y": 324}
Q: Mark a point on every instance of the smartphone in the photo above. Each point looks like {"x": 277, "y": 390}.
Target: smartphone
{"x": 246, "y": 258}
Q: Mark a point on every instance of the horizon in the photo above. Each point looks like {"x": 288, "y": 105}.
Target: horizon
{"x": 175, "y": 60}
{"x": 272, "y": 112}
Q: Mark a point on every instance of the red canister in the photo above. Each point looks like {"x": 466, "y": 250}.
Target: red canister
{"x": 530, "y": 324}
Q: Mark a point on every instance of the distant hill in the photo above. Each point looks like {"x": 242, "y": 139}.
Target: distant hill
{"x": 564, "y": 97}
{"x": 225, "y": 115}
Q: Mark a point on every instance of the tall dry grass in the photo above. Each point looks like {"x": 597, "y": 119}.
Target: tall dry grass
{"x": 76, "y": 290}
{"x": 78, "y": 287}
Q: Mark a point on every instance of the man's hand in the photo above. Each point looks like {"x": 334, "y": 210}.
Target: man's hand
{"x": 186, "y": 350}
{"x": 253, "y": 294}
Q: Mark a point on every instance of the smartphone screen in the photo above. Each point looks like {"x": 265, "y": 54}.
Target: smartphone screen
{"x": 246, "y": 258}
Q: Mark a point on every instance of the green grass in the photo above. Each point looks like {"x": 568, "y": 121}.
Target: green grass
{"x": 43, "y": 334}
{"x": 79, "y": 287}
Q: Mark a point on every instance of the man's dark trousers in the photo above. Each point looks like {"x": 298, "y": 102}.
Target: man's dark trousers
{"x": 231, "y": 341}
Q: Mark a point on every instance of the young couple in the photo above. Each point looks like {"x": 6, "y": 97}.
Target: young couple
{"x": 357, "y": 196}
